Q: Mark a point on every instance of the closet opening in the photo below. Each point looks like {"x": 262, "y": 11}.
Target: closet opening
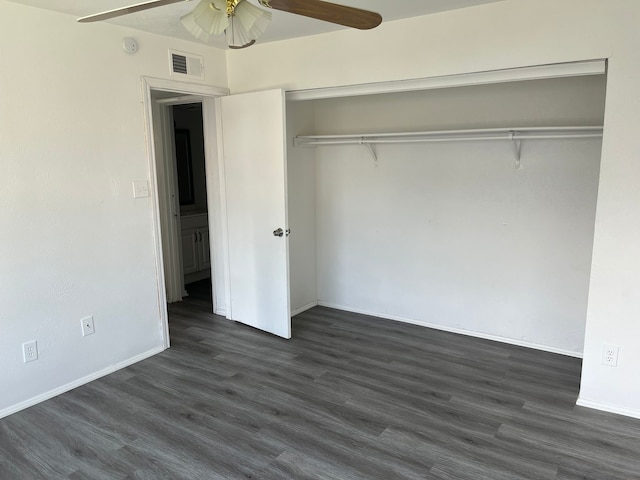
{"x": 490, "y": 237}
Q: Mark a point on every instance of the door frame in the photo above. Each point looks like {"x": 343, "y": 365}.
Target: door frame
{"x": 207, "y": 95}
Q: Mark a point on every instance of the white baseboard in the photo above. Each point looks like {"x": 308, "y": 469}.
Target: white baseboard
{"x": 461, "y": 331}
{"x": 606, "y": 407}
{"x": 308, "y": 306}
{"x": 221, "y": 311}
{"x": 79, "y": 382}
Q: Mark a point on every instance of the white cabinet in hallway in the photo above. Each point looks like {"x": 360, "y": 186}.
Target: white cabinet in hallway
{"x": 196, "y": 258}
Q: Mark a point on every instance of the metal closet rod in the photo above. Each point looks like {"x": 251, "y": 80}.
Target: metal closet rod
{"x": 515, "y": 134}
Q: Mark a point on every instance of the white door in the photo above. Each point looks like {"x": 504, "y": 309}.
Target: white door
{"x": 253, "y": 141}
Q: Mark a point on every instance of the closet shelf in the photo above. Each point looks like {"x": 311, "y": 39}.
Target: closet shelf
{"x": 514, "y": 134}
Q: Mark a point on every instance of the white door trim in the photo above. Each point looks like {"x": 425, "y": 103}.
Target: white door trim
{"x": 184, "y": 88}
{"x": 217, "y": 120}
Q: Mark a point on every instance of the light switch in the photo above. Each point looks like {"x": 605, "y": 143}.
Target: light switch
{"x": 140, "y": 189}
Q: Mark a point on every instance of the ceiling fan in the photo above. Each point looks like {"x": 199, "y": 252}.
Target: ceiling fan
{"x": 242, "y": 22}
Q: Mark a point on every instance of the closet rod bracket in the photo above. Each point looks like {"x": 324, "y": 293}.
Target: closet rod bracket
{"x": 372, "y": 151}
{"x": 517, "y": 147}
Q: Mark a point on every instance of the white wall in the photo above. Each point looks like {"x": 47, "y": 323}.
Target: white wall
{"x": 451, "y": 235}
{"x": 509, "y": 34}
{"x": 538, "y": 103}
{"x": 301, "y": 193}
{"x": 74, "y": 241}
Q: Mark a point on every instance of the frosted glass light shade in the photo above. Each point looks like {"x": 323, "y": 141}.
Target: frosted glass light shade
{"x": 246, "y": 24}
{"x": 207, "y": 19}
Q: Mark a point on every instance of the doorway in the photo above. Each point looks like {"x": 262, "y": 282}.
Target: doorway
{"x": 170, "y": 107}
{"x": 180, "y": 161}
{"x": 191, "y": 195}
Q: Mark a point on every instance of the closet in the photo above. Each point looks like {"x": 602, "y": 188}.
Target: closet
{"x": 485, "y": 230}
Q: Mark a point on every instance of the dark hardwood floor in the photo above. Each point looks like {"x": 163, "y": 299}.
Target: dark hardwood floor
{"x": 349, "y": 397}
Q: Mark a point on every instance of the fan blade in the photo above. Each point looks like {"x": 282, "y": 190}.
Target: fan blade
{"x": 117, "y": 12}
{"x": 328, "y": 12}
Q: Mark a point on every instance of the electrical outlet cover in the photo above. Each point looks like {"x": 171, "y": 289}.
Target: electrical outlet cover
{"x": 88, "y": 328}
{"x": 30, "y": 351}
{"x": 610, "y": 355}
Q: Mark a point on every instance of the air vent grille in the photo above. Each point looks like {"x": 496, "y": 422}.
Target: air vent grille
{"x": 186, "y": 64}
{"x": 179, "y": 63}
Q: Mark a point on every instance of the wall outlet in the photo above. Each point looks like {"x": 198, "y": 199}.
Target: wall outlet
{"x": 87, "y": 326}
{"x": 30, "y": 351}
{"x": 610, "y": 355}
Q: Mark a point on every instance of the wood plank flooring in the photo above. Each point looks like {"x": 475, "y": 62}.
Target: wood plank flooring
{"x": 349, "y": 397}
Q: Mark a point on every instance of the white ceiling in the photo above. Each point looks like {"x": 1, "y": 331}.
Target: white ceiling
{"x": 166, "y": 20}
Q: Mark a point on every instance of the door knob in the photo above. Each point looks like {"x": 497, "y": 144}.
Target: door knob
{"x": 278, "y": 233}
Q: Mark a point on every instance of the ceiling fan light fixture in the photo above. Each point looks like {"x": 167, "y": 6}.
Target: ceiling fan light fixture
{"x": 212, "y": 17}
{"x": 241, "y": 21}
{"x": 246, "y": 23}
